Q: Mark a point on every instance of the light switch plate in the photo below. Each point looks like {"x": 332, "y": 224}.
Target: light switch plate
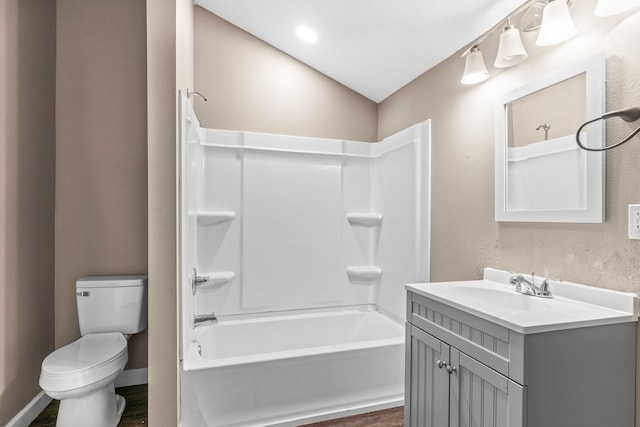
{"x": 634, "y": 221}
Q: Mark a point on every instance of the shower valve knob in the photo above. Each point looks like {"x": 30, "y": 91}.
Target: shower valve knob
{"x": 197, "y": 281}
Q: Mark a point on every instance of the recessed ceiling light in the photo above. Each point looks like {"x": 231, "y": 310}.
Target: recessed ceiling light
{"x": 306, "y": 34}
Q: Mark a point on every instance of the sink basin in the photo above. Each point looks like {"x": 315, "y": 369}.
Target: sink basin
{"x": 493, "y": 299}
{"x": 507, "y": 299}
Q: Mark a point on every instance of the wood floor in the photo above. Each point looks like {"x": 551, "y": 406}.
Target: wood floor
{"x": 388, "y": 418}
{"x": 135, "y": 414}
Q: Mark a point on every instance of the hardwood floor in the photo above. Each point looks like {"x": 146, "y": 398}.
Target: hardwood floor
{"x": 393, "y": 417}
{"x": 135, "y": 413}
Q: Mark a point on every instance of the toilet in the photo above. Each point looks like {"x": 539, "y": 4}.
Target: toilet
{"x": 82, "y": 374}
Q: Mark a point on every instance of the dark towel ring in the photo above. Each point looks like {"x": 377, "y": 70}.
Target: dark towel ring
{"x": 628, "y": 115}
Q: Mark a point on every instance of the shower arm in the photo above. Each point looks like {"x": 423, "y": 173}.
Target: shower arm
{"x": 189, "y": 93}
{"x": 627, "y": 114}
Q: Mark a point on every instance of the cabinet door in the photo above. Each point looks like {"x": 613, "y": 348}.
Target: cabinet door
{"x": 427, "y": 385}
{"x": 481, "y": 397}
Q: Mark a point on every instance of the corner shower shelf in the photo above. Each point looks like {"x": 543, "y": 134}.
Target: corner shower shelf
{"x": 364, "y": 272}
{"x": 365, "y": 219}
{"x": 207, "y": 218}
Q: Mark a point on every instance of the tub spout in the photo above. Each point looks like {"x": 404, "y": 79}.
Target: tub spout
{"x": 204, "y": 319}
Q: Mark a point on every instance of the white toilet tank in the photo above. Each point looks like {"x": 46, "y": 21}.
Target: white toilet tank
{"x": 112, "y": 304}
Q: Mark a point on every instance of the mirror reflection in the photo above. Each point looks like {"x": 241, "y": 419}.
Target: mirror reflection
{"x": 541, "y": 173}
{"x": 552, "y": 112}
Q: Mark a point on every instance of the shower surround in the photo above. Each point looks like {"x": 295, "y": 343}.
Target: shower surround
{"x": 306, "y": 244}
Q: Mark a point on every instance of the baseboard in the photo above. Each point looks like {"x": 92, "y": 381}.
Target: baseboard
{"x": 133, "y": 377}
{"x": 31, "y": 411}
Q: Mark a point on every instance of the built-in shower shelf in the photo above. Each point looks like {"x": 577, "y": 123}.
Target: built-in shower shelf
{"x": 364, "y": 272}
{"x": 365, "y": 219}
{"x": 207, "y": 218}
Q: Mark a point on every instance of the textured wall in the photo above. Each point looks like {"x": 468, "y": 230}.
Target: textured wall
{"x": 27, "y": 192}
{"x": 101, "y": 152}
{"x": 252, "y": 86}
{"x": 466, "y": 237}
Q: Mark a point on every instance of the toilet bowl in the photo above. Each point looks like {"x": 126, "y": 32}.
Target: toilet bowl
{"x": 82, "y": 374}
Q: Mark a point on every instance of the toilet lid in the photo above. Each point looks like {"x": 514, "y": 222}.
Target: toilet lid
{"x": 89, "y": 359}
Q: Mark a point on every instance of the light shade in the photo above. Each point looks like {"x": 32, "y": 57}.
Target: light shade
{"x": 613, "y": 7}
{"x": 557, "y": 25}
{"x": 474, "y": 69}
{"x": 510, "y": 51}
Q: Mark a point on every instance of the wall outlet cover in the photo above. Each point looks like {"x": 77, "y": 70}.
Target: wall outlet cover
{"x": 634, "y": 221}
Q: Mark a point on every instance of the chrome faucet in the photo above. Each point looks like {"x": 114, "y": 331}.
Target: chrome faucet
{"x": 545, "y": 127}
{"x": 204, "y": 319}
{"x": 197, "y": 281}
{"x": 527, "y": 287}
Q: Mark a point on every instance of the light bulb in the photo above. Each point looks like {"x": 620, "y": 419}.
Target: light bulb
{"x": 306, "y": 34}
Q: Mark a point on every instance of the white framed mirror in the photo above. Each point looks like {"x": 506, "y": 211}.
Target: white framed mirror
{"x": 541, "y": 173}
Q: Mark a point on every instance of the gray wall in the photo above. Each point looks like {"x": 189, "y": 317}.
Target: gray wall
{"x": 465, "y": 236}
{"x": 463, "y": 164}
{"x": 170, "y": 68}
{"x": 252, "y": 86}
{"x": 27, "y": 179}
{"x": 101, "y": 152}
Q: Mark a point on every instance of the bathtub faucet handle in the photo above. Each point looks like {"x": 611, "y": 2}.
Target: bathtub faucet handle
{"x": 197, "y": 280}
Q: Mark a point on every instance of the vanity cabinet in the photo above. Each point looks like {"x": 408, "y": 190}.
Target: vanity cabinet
{"x": 447, "y": 387}
{"x": 463, "y": 370}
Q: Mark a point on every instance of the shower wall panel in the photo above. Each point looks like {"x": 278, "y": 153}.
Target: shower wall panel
{"x": 292, "y": 230}
{"x": 396, "y": 185}
{"x": 281, "y": 222}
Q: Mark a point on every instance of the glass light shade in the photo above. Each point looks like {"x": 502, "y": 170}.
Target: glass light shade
{"x": 557, "y": 25}
{"x": 613, "y": 7}
{"x": 474, "y": 69}
{"x": 510, "y": 51}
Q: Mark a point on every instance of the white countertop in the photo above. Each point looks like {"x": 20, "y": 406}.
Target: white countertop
{"x": 493, "y": 299}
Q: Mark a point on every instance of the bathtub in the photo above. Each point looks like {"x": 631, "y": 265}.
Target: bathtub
{"x": 290, "y": 370}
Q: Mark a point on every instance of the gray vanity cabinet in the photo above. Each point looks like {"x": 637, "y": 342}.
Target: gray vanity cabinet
{"x": 471, "y": 395}
{"x": 462, "y": 370}
{"x": 427, "y": 388}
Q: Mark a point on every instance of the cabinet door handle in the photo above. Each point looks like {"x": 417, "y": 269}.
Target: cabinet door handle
{"x": 451, "y": 369}
{"x": 441, "y": 364}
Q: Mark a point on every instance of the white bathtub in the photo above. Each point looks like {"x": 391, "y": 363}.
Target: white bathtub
{"x": 293, "y": 369}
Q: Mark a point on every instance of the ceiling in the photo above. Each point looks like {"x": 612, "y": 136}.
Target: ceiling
{"x": 371, "y": 46}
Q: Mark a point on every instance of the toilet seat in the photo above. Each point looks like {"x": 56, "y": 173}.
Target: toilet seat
{"x": 89, "y": 360}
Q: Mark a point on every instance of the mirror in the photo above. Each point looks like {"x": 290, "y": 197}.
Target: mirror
{"x": 541, "y": 173}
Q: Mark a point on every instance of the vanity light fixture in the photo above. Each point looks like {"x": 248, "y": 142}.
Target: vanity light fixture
{"x": 307, "y": 34}
{"x": 475, "y": 71}
{"x": 613, "y": 7}
{"x": 551, "y": 17}
{"x": 510, "y": 51}
{"x": 557, "y": 25}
